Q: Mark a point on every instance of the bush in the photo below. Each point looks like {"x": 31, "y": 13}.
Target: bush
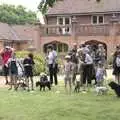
{"x": 39, "y": 61}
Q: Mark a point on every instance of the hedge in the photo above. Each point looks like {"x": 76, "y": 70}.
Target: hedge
{"x": 39, "y": 61}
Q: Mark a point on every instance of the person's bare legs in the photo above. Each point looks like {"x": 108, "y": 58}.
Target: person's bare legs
{"x": 15, "y": 82}
{"x": 6, "y": 79}
{"x": 27, "y": 82}
{"x": 11, "y": 82}
{"x": 119, "y": 79}
{"x": 70, "y": 86}
{"x": 31, "y": 78}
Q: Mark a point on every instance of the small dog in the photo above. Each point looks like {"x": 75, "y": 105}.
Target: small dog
{"x": 43, "y": 83}
{"x": 77, "y": 87}
{"x": 115, "y": 87}
{"x": 22, "y": 85}
{"x": 101, "y": 90}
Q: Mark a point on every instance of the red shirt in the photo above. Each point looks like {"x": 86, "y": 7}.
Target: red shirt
{"x": 5, "y": 56}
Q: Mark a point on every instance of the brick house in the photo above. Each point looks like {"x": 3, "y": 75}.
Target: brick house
{"x": 21, "y": 37}
{"x": 82, "y": 21}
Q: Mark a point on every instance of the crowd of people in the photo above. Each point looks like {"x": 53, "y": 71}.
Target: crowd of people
{"x": 85, "y": 61}
{"x": 15, "y": 69}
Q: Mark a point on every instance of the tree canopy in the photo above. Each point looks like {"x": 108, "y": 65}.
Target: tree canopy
{"x": 16, "y": 15}
{"x": 45, "y": 4}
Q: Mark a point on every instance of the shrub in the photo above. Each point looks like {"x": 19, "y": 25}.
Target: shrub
{"x": 39, "y": 61}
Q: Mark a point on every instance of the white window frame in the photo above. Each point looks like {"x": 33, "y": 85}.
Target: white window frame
{"x": 63, "y": 29}
{"x": 97, "y": 19}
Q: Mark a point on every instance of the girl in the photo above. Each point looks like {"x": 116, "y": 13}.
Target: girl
{"x": 28, "y": 69}
{"x": 13, "y": 71}
{"x": 68, "y": 72}
{"x": 100, "y": 73}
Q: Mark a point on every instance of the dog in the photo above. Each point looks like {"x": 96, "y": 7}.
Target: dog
{"x": 77, "y": 87}
{"x": 43, "y": 83}
{"x": 101, "y": 90}
{"x": 22, "y": 85}
{"x": 115, "y": 87}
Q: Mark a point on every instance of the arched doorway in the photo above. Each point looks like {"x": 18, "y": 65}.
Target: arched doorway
{"x": 94, "y": 45}
{"x": 58, "y": 46}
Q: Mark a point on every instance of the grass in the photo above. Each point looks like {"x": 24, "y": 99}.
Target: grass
{"x": 50, "y": 105}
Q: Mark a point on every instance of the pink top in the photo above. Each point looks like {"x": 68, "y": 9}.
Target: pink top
{"x": 5, "y": 56}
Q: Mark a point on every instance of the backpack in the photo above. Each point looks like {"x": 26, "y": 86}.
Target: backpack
{"x": 118, "y": 61}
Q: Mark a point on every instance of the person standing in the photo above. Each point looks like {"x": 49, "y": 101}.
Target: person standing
{"x": 52, "y": 64}
{"x": 116, "y": 64}
{"x": 101, "y": 54}
{"x": 28, "y": 64}
{"x": 87, "y": 70}
{"x": 13, "y": 71}
{"x": 6, "y": 53}
{"x": 74, "y": 60}
{"x": 100, "y": 74}
{"x": 68, "y": 73}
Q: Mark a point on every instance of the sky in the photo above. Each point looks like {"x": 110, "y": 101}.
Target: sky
{"x": 29, "y": 4}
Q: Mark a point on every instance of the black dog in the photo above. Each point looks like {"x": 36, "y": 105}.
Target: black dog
{"x": 77, "y": 86}
{"x": 43, "y": 83}
{"x": 115, "y": 87}
{"x": 21, "y": 85}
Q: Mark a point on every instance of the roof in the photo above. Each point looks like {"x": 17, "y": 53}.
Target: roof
{"x": 84, "y": 6}
{"x": 8, "y": 32}
{"x": 25, "y": 32}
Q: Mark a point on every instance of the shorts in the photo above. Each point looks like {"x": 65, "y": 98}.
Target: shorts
{"x": 5, "y": 70}
{"x": 68, "y": 79}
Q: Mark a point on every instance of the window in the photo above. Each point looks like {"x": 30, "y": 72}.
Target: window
{"x": 100, "y": 19}
{"x": 67, "y": 21}
{"x": 60, "y": 21}
{"x": 64, "y": 21}
{"x": 97, "y": 19}
{"x": 94, "y": 19}
{"x": 8, "y": 44}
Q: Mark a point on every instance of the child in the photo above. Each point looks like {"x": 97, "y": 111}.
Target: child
{"x": 13, "y": 71}
{"x": 100, "y": 73}
{"x": 28, "y": 69}
{"x": 68, "y": 72}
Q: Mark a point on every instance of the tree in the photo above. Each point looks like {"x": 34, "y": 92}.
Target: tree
{"x": 16, "y": 15}
{"x": 45, "y": 4}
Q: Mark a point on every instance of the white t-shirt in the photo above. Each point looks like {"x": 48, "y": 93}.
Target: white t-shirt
{"x": 88, "y": 59}
{"x": 52, "y": 57}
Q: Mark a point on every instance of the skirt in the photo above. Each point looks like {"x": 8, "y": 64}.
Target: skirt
{"x": 116, "y": 70}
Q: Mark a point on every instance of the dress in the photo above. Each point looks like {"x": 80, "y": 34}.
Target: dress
{"x": 116, "y": 69}
{"x": 28, "y": 67}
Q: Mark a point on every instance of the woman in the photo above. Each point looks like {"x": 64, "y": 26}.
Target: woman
{"x": 28, "y": 69}
{"x": 116, "y": 66}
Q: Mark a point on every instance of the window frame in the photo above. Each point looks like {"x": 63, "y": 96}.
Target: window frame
{"x": 98, "y": 16}
{"x": 64, "y": 29}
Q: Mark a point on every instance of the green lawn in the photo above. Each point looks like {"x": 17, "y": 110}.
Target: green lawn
{"x": 53, "y": 106}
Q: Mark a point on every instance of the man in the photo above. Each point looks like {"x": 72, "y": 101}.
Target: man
{"x": 87, "y": 70}
{"x": 52, "y": 64}
{"x": 6, "y": 53}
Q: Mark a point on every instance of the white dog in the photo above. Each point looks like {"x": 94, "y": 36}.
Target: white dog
{"x": 101, "y": 90}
